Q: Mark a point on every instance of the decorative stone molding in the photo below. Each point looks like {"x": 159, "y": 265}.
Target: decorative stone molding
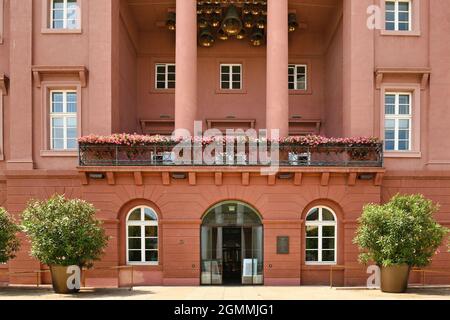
{"x": 217, "y": 174}
{"x": 423, "y": 72}
{"x": 231, "y": 123}
{"x": 304, "y": 126}
{"x": 158, "y": 126}
{"x": 78, "y": 72}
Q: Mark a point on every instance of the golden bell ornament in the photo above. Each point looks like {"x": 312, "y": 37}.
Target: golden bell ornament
{"x": 206, "y": 39}
{"x": 232, "y": 23}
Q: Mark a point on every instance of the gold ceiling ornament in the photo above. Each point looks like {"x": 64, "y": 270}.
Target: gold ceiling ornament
{"x": 248, "y": 21}
{"x": 241, "y": 35}
{"x": 203, "y": 21}
{"x": 232, "y": 23}
{"x": 261, "y": 22}
{"x": 171, "y": 21}
{"x": 240, "y": 19}
{"x": 257, "y": 37}
{"x": 215, "y": 20}
{"x": 206, "y": 39}
{"x": 292, "y": 22}
{"x": 222, "y": 35}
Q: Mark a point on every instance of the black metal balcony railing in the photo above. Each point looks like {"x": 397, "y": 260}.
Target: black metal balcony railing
{"x": 289, "y": 156}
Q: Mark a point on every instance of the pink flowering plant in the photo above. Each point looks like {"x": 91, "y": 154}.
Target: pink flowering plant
{"x": 126, "y": 139}
{"x": 136, "y": 147}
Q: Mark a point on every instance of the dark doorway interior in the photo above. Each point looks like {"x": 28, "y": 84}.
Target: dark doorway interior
{"x": 232, "y": 256}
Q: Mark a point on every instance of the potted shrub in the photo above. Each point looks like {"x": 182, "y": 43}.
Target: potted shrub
{"x": 397, "y": 236}
{"x": 64, "y": 233}
{"x": 9, "y": 244}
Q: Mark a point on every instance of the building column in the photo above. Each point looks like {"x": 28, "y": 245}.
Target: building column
{"x": 359, "y": 67}
{"x": 21, "y": 115}
{"x": 277, "y": 112}
{"x": 102, "y": 97}
{"x": 186, "y": 65}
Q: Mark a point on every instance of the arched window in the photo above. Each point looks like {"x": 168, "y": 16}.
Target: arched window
{"x": 142, "y": 236}
{"x": 321, "y": 236}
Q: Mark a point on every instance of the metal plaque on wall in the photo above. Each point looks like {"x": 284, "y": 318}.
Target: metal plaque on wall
{"x": 283, "y": 245}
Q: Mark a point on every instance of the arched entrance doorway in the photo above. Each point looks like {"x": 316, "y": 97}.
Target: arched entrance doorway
{"x": 232, "y": 245}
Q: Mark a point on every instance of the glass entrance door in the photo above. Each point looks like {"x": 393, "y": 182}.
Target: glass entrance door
{"x": 252, "y": 252}
{"x": 232, "y": 246}
{"x": 232, "y": 255}
{"x": 211, "y": 272}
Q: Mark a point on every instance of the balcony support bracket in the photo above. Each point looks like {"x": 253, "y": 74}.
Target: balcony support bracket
{"x": 111, "y": 178}
{"x": 192, "y": 178}
{"x": 138, "y": 178}
{"x": 352, "y": 179}
{"x": 325, "y": 180}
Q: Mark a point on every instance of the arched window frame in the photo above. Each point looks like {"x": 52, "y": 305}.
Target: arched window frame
{"x": 142, "y": 223}
{"x": 320, "y": 224}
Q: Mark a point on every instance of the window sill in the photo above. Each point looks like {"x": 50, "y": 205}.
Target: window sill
{"x": 59, "y": 154}
{"x": 61, "y": 31}
{"x": 400, "y": 154}
{"x": 300, "y": 92}
{"x": 142, "y": 264}
{"x": 400, "y": 33}
{"x": 222, "y": 91}
{"x": 162, "y": 91}
{"x": 320, "y": 264}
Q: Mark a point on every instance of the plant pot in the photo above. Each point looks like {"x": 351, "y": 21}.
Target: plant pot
{"x": 59, "y": 280}
{"x": 394, "y": 279}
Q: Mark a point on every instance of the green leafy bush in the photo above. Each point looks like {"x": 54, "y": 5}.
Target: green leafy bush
{"x": 9, "y": 244}
{"x": 64, "y": 232}
{"x": 402, "y": 231}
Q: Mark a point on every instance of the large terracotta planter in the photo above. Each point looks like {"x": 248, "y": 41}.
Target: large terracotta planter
{"x": 59, "y": 280}
{"x": 394, "y": 279}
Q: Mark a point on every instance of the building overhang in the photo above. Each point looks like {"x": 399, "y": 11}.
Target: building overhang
{"x": 217, "y": 173}
{"x": 79, "y": 73}
{"x": 424, "y": 73}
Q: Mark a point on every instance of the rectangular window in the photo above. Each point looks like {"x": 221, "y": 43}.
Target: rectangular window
{"x": 65, "y": 14}
{"x": 297, "y": 77}
{"x": 63, "y": 120}
{"x": 398, "y": 121}
{"x": 398, "y": 15}
{"x": 230, "y": 76}
{"x": 165, "y": 76}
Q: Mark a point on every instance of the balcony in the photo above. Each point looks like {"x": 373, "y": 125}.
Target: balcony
{"x": 310, "y": 151}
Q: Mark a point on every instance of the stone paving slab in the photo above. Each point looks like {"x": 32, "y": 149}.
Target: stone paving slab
{"x": 226, "y": 293}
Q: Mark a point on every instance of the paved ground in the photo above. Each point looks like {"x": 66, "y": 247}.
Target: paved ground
{"x": 226, "y": 293}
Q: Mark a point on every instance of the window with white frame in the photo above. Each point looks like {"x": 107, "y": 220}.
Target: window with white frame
{"x": 63, "y": 120}
{"x": 321, "y": 235}
{"x": 142, "y": 236}
{"x": 398, "y": 15}
{"x": 65, "y": 14}
{"x": 297, "y": 77}
{"x": 398, "y": 121}
{"x": 231, "y": 76}
{"x": 165, "y": 74}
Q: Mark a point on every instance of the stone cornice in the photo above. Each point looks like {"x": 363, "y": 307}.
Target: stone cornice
{"x": 79, "y": 72}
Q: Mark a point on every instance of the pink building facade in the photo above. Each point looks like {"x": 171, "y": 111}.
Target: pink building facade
{"x": 71, "y": 68}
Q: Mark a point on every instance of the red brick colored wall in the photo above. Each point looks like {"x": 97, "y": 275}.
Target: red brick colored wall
{"x": 181, "y": 206}
{"x": 435, "y": 186}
